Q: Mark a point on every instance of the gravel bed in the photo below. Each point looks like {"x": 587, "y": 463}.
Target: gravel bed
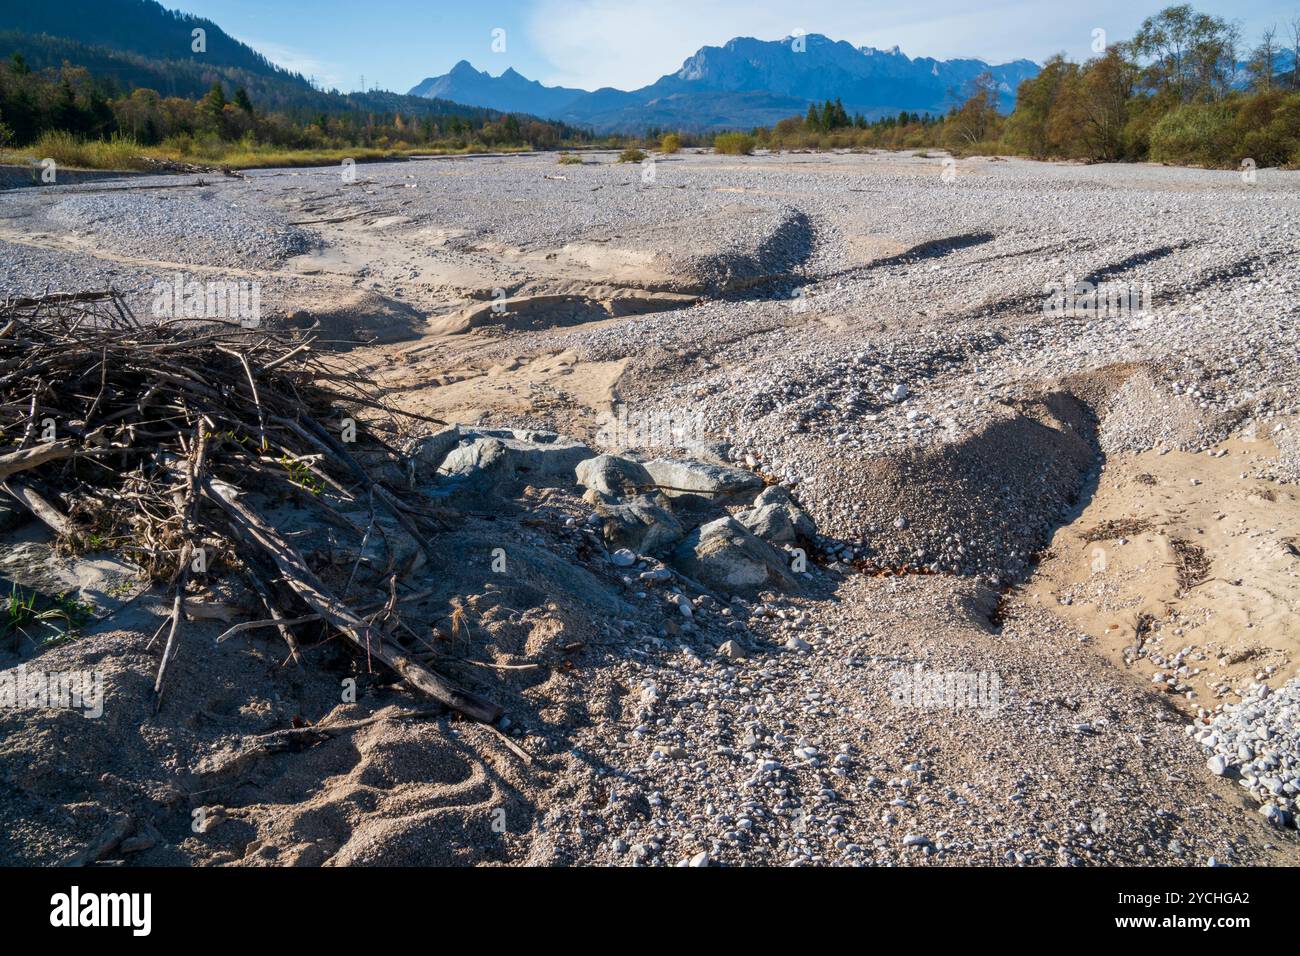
{"x": 874, "y": 339}
{"x": 1257, "y": 742}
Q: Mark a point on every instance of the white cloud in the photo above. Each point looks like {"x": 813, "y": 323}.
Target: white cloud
{"x": 629, "y": 43}
{"x": 328, "y": 75}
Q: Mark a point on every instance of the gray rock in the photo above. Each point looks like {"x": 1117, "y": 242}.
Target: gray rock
{"x": 726, "y": 556}
{"x": 772, "y": 523}
{"x": 614, "y": 475}
{"x": 731, "y": 650}
{"x": 644, "y": 524}
{"x": 716, "y": 482}
{"x": 778, "y": 522}
{"x": 712, "y": 452}
{"x": 774, "y": 495}
{"x": 540, "y": 458}
{"x": 430, "y": 450}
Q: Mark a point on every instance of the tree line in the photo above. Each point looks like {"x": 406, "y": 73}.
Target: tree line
{"x": 1185, "y": 89}
{"x": 70, "y": 99}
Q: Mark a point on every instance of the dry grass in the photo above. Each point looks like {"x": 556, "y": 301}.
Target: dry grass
{"x": 120, "y": 153}
{"x": 69, "y": 152}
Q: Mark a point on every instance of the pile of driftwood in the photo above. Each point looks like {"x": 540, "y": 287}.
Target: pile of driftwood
{"x": 157, "y": 165}
{"x": 146, "y": 437}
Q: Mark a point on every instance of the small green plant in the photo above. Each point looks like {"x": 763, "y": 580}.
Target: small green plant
{"x": 300, "y": 474}
{"x": 94, "y": 541}
{"x": 569, "y": 159}
{"x": 733, "y": 144}
{"x": 20, "y": 612}
{"x": 671, "y": 143}
{"x": 631, "y": 155}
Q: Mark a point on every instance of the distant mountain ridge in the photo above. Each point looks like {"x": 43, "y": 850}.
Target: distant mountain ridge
{"x": 744, "y": 83}
{"x": 130, "y": 44}
{"x": 142, "y": 27}
{"x": 513, "y": 91}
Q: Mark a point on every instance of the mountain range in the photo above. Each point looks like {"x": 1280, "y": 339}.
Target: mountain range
{"x": 744, "y": 83}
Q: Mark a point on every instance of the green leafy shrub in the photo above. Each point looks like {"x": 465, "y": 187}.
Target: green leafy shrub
{"x": 1267, "y": 129}
{"x": 733, "y": 144}
{"x": 1194, "y": 134}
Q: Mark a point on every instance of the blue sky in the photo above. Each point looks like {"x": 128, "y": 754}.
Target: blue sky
{"x": 629, "y": 43}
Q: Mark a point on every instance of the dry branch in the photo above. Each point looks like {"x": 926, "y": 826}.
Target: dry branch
{"x": 168, "y": 434}
{"x": 24, "y": 458}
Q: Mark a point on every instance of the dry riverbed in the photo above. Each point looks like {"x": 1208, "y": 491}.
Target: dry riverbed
{"x": 1035, "y": 561}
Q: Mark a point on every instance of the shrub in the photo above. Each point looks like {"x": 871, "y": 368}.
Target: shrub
{"x": 1267, "y": 129}
{"x": 671, "y": 143}
{"x": 631, "y": 155}
{"x": 1193, "y": 134}
{"x": 569, "y": 159}
{"x": 734, "y": 144}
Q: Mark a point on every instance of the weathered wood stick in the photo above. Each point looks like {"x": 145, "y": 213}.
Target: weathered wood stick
{"x": 39, "y": 506}
{"x": 268, "y": 601}
{"x": 270, "y": 622}
{"x": 25, "y": 458}
{"x": 315, "y": 595}
{"x": 194, "y": 473}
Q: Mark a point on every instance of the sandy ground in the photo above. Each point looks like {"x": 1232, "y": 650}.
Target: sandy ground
{"x": 1122, "y": 555}
{"x": 1184, "y": 553}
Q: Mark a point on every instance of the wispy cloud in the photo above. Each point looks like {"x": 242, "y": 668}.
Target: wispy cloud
{"x": 328, "y": 75}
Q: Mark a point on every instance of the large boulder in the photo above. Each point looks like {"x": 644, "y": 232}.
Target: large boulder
{"x": 726, "y": 556}
{"x": 614, "y": 475}
{"x": 429, "y": 451}
{"x": 709, "y": 451}
{"x": 643, "y": 524}
{"x": 487, "y": 467}
{"x": 776, "y": 518}
{"x": 697, "y": 478}
{"x": 772, "y": 523}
